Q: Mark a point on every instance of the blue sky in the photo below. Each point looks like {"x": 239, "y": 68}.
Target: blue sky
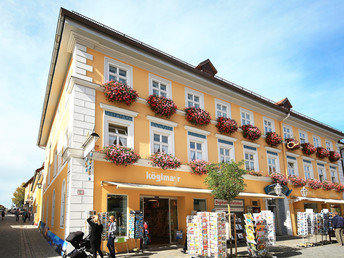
{"x": 278, "y": 49}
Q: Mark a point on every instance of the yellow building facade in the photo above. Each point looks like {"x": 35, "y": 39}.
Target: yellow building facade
{"x": 88, "y": 54}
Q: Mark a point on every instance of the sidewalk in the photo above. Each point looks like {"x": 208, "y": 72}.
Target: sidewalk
{"x": 22, "y": 240}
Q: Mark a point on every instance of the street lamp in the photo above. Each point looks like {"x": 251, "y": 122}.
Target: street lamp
{"x": 278, "y": 189}
{"x": 304, "y": 191}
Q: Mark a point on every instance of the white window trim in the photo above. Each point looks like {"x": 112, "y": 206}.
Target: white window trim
{"x": 278, "y": 167}
{"x": 169, "y": 134}
{"x": 194, "y": 92}
{"x": 128, "y": 68}
{"x": 292, "y": 154}
{"x": 295, "y": 166}
{"x": 273, "y": 149}
{"x": 305, "y": 133}
{"x": 335, "y": 174}
{"x": 55, "y": 163}
{"x": 255, "y": 155}
{"x": 290, "y": 128}
{"x": 53, "y": 200}
{"x": 255, "y": 145}
{"x": 272, "y": 123}
{"x": 316, "y": 136}
{"x": 160, "y": 80}
{"x": 311, "y": 169}
{"x": 161, "y": 121}
{"x": 200, "y": 140}
{"x": 331, "y": 145}
{"x": 249, "y": 112}
{"x": 229, "y": 111}
{"x": 63, "y": 204}
{"x": 47, "y": 211}
{"x": 231, "y": 151}
{"x": 226, "y": 138}
{"x": 324, "y": 168}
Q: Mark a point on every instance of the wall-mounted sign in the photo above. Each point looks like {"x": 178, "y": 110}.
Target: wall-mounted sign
{"x": 236, "y": 205}
{"x": 162, "y": 177}
{"x": 80, "y": 192}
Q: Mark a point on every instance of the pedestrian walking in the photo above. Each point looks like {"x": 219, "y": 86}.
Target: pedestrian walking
{"x": 29, "y": 215}
{"x": 24, "y": 216}
{"x": 338, "y": 226}
{"x": 2, "y": 214}
{"x": 17, "y": 214}
{"x": 95, "y": 235}
{"x": 112, "y": 236}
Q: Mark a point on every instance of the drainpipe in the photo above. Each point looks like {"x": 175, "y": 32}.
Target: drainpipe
{"x": 283, "y": 145}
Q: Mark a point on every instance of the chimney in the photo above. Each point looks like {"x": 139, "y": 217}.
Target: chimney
{"x": 207, "y": 67}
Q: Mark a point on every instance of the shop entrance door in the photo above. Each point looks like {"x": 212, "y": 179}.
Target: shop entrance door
{"x": 272, "y": 206}
{"x": 156, "y": 214}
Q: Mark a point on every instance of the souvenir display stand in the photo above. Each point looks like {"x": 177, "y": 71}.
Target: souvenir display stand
{"x": 136, "y": 225}
{"x": 206, "y": 234}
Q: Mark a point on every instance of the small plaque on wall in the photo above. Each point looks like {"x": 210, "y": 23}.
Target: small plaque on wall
{"x": 80, "y": 192}
{"x": 255, "y": 203}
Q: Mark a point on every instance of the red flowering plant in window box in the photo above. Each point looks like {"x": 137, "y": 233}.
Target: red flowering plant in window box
{"x": 322, "y": 152}
{"x": 334, "y": 156}
{"x": 199, "y": 167}
{"x": 297, "y": 181}
{"x": 226, "y": 125}
{"x": 292, "y": 144}
{"x": 279, "y": 178}
{"x": 254, "y": 173}
{"x": 308, "y": 148}
{"x": 251, "y": 132}
{"x": 120, "y": 155}
{"x": 314, "y": 183}
{"x": 165, "y": 161}
{"x": 197, "y": 116}
{"x": 119, "y": 92}
{"x": 162, "y": 106}
{"x": 339, "y": 188}
{"x": 273, "y": 139}
{"x": 327, "y": 185}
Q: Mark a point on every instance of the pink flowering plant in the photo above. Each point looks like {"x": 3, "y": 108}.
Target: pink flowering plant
{"x": 339, "y": 188}
{"x": 334, "y": 156}
{"x": 308, "y": 148}
{"x": 162, "y": 106}
{"x": 165, "y": 161}
{"x": 314, "y": 183}
{"x": 226, "y": 125}
{"x": 199, "y": 167}
{"x": 273, "y": 139}
{"x": 292, "y": 144}
{"x": 254, "y": 173}
{"x": 279, "y": 178}
{"x": 197, "y": 116}
{"x": 251, "y": 132}
{"x": 297, "y": 181}
{"x": 119, "y": 92}
{"x": 322, "y": 152}
{"x": 120, "y": 155}
{"x": 327, "y": 185}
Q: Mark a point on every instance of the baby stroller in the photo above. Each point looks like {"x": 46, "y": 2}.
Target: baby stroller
{"x": 82, "y": 245}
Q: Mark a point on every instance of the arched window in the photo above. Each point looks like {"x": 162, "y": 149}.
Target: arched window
{"x": 63, "y": 202}
{"x": 53, "y": 209}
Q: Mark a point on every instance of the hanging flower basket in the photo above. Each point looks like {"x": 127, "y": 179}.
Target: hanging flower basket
{"x": 297, "y": 181}
{"x": 251, "y": 132}
{"x": 327, "y": 185}
{"x": 279, "y": 178}
{"x": 254, "y": 173}
{"x": 292, "y": 144}
{"x": 118, "y": 92}
{"x": 314, "y": 183}
{"x": 322, "y": 152}
{"x": 199, "y": 167}
{"x": 197, "y": 116}
{"x": 273, "y": 139}
{"x": 226, "y": 125}
{"x": 339, "y": 188}
{"x": 334, "y": 156}
{"x": 120, "y": 155}
{"x": 165, "y": 161}
{"x": 308, "y": 148}
{"x": 162, "y": 106}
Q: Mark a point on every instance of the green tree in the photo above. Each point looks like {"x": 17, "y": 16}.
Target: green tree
{"x": 18, "y": 196}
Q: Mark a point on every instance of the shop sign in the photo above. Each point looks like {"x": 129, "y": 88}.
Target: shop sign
{"x": 218, "y": 202}
{"x": 233, "y": 209}
{"x": 162, "y": 177}
{"x": 270, "y": 189}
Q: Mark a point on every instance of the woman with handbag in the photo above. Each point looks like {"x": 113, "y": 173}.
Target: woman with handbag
{"x": 112, "y": 236}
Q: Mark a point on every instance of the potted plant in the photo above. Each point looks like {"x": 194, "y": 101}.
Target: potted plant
{"x": 273, "y": 139}
{"x": 226, "y": 125}
{"x": 251, "y": 132}
{"x": 279, "y": 178}
{"x": 334, "y": 156}
{"x": 199, "y": 167}
{"x": 297, "y": 181}
{"x": 165, "y": 161}
{"x": 322, "y": 152}
{"x": 120, "y": 155}
{"x": 162, "y": 106}
{"x": 327, "y": 185}
{"x": 339, "y": 188}
{"x": 119, "y": 92}
{"x": 197, "y": 116}
{"x": 254, "y": 173}
{"x": 292, "y": 144}
{"x": 314, "y": 183}
{"x": 308, "y": 148}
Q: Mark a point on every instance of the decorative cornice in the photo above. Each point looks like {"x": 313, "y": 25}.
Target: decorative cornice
{"x": 250, "y": 144}
{"x": 196, "y": 130}
{"x": 292, "y": 154}
{"x": 225, "y": 137}
{"x": 119, "y": 110}
{"x": 273, "y": 149}
{"x": 161, "y": 121}
{"x": 307, "y": 158}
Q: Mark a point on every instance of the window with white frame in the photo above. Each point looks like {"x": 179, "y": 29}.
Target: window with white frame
{"x": 159, "y": 86}
{"x": 269, "y": 125}
{"x": 292, "y": 166}
{"x": 162, "y": 138}
{"x": 117, "y": 71}
{"x": 333, "y": 173}
{"x": 273, "y": 162}
{"x": 55, "y": 163}
{"x": 316, "y": 141}
{"x": 287, "y": 132}
{"x": 53, "y": 209}
{"x": 226, "y": 151}
{"x": 47, "y": 211}
{"x": 222, "y": 109}
{"x": 197, "y": 145}
{"x": 193, "y": 98}
{"x": 246, "y": 117}
{"x": 63, "y": 204}
{"x": 328, "y": 145}
{"x": 251, "y": 158}
{"x": 308, "y": 169}
{"x": 118, "y": 135}
{"x": 49, "y": 170}
{"x": 321, "y": 172}
{"x": 303, "y": 137}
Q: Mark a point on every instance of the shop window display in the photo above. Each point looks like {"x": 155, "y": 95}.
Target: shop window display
{"x": 200, "y": 205}
{"x": 117, "y": 206}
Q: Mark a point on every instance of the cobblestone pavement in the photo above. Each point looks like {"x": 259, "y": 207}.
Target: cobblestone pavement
{"x": 22, "y": 240}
